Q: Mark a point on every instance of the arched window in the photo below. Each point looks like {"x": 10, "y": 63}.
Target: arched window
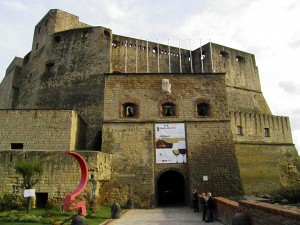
{"x": 203, "y": 109}
{"x": 168, "y": 109}
{"x": 129, "y": 110}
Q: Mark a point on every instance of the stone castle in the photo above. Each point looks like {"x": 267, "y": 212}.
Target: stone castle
{"x": 151, "y": 120}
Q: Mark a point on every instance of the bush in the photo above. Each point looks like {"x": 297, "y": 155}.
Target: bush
{"x": 9, "y": 202}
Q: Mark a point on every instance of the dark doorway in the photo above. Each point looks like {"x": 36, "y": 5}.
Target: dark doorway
{"x": 41, "y": 199}
{"x": 170, "y": 189}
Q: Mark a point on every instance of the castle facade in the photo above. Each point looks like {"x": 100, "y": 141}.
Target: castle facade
{"x": 151, "y": 120}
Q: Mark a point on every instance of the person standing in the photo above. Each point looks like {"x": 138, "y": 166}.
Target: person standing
{"x": 203, "y": 202}
{"x": 195, "y": 200}
{"x": 210, "y": 208}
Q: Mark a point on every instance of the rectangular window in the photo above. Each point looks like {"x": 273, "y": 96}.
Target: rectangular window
{"x": 267, "y": 132}
{"x": 239, "y": 130}
{"x": 50, "y": 68}
{"x": 16, "y": 145}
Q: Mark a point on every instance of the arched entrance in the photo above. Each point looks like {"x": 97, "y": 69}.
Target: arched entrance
{"x": 170, "y": 189}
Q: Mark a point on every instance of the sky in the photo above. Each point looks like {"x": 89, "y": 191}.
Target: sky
{"x": 269, "y": 29}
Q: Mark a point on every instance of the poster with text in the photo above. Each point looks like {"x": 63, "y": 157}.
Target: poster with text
{"x": 170, "y": 143}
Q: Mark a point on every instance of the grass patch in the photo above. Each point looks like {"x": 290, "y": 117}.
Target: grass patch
{"x": 53, "y": 217}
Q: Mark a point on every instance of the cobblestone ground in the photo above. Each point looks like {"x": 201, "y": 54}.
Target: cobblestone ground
{"x": 160, "y": 216}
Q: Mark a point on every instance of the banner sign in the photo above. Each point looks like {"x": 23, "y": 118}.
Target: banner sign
{"x": 170, "y": 143}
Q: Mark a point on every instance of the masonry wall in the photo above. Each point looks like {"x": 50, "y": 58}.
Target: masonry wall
{"x": 40, "y": 129}
{"x": 61, "y": 172}
{"x": 210, "y": 145}
{"x": 132, "y": 176}
{"x": 10, "y": 85}
{"x": 131, "y": 140}
{"x": 263, "y": 160}
{"x": 161, "y": 58}
{"x": 259, "y": 213}
{"x": 242, "y": 77}
{"x": 65, "y": 72}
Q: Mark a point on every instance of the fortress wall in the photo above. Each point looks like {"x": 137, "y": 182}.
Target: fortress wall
{"x": 54, "y": 21}
{"x": 137, "y": 56}
{"x": 61, "y": 172}
{"x": 67, "y": 74}
{"x": 146, "y": 91}
{"x": 246, "y": 101}
{"x": 132, "y": 165}
{"x": 254, "y": 125}
{"x": 207, "y": 137}
{"x": 242, "y": 78}
{"x": 260, "y": 166}
{"x": 10, "y": 85}
{"x": 211, "y": 153}
{"x": 239, "y": 67}
{"x": 39, "y": 129}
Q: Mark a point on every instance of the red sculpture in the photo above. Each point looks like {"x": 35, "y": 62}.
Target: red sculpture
{"x": 70, "y": 202}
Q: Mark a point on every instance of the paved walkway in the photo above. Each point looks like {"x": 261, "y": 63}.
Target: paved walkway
{"x": 160, "y": 216}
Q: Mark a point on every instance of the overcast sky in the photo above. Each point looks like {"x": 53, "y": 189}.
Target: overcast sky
{"x": 269, "y": 29}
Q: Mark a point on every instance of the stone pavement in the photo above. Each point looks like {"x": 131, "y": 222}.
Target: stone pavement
{"x": 160, "y": 216}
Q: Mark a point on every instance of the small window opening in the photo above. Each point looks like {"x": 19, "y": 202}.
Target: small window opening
{"x": 50, "y": 67}
{"x": 39, "y": 30}
{"x": 115, "y": 43}
{"x": 224, "y": 54}
{"x": 107, "y": 34}
{"x": 240, "y": 59}
{"x": 154, "y": 50}
{"x": 203, "y": 109}
{"x": 168, "y": 109}
{"x": 129, "y": 110}
{"x": 57, "y": 39}
{"x": 239, "y": 130}
{"x": 203, "y": 55}
{"x": 16, "y": 145}
{"x": 267, "y": 132}
{"x": 37, "y": 46}
{"x": 46, "y": 23}
{"x": 85, "y": 34}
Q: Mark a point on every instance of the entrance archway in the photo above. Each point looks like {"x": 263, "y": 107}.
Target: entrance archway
{"x": 170, "y": 189}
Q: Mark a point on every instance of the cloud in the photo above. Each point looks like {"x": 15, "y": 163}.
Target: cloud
{"x": 290, "y": 87}
{"x": 15, "y": 5}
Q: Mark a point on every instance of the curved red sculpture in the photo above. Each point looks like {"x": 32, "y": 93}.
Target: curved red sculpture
{"x": 70, "y": 202}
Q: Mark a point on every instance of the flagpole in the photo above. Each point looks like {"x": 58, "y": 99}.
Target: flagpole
{"x": 147, "y": 57}
{"x": 169, "y": 56}
{"x": 191, "y": 58}
{"x": 136, "y": 56}
{"x": 158, "y": 69}
{"x": 201, "y": 57}
{"x": 180, "y": 57}
{"x": 126, "y": 56}
{"x": 211, "y": 57}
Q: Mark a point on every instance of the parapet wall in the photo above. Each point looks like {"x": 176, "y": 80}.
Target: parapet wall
{"x": 260, "y": 128}
{"x": 260, "y": 213}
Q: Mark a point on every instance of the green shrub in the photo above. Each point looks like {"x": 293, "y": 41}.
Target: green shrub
{"x": 9, "y": 202}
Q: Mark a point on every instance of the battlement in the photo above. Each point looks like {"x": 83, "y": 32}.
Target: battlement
{"x": 260, "y": 128}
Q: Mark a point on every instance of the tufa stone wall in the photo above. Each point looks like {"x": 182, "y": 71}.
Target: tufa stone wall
{"x": 263, "y": 160}
{"x": 10, "y": 85}
{"x": 61, "y": 172}
{"x": 207, "y": 137}
{"x": 259, "y": 213}
{"x": 132, "y": 175}
{"x": 42, "y": 129}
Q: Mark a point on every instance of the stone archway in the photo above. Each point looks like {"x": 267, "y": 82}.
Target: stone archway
{"x": 170, "y": 189}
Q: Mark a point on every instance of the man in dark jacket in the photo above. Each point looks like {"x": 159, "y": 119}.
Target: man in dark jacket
{"x": 210, "y": 208}
{"x": 202, "y": 198}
